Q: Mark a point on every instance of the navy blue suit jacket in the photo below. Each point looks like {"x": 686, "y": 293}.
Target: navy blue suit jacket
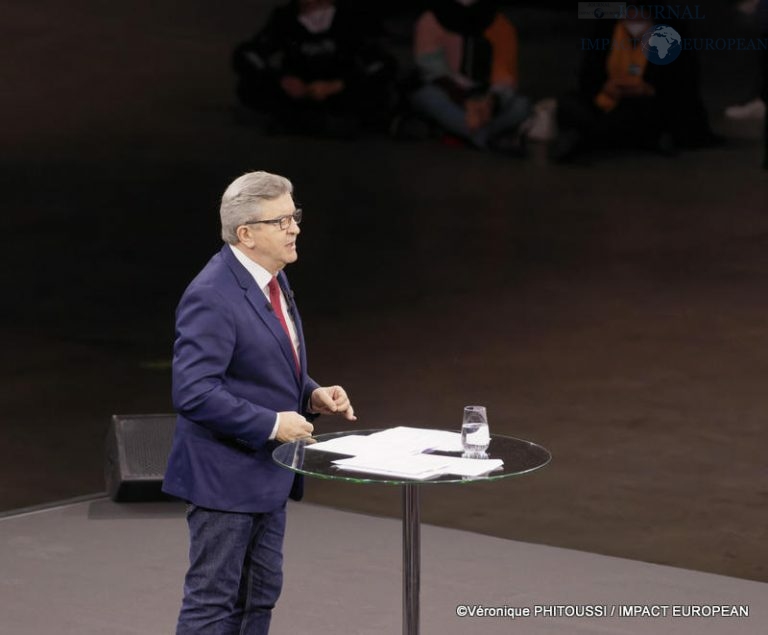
{"x": 233, "y": 370}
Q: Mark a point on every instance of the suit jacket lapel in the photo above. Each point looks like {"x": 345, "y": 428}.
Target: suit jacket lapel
{"x": 260, "y": 304}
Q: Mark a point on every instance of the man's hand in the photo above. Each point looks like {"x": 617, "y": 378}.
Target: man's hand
{"x": 293, "y": 427}
{"x": 323, "y": 89}
{"x": 332, "y": 400}
{"x": 293, "y": 87}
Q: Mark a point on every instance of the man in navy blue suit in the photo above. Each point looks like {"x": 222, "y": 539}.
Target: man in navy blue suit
{"x": 240, "y": 387}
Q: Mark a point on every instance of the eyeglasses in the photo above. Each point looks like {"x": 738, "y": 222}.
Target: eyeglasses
{"x": 283, "y": 222}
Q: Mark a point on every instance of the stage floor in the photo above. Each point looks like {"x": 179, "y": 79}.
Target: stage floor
{"x": 94, "y": 567}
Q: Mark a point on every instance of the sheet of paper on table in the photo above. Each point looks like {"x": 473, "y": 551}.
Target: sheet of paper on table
{"x": 393, "y": 441}
{"x": 410, "y": 466}
{"x": 419, "y": 466}
{"x": 351, "y": 444}
{"x": 459, "y": 466}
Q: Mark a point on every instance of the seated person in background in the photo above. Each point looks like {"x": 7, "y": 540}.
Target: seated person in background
{"x": 466, "y": 55}
{"x": 754, "y": 106}
{"x": 314, "y": 68}
{"x": 624, "y": 100}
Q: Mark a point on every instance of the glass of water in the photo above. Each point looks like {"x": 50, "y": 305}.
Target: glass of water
{"x": 475, "y": 437}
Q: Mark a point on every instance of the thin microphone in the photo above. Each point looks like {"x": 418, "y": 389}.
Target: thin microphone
{"x": 289, "y": 299}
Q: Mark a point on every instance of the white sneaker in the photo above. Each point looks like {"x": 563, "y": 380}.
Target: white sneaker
{"x": 754, "y": 109}
{"x": 541, "y": 125}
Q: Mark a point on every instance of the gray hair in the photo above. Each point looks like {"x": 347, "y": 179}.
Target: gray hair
{"x": 242, "y": 200}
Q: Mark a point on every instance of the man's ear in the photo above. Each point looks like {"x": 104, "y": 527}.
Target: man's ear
{"x": 245, "y": 235}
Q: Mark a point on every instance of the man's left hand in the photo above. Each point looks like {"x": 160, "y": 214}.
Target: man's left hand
{"x": 328, "y": 400}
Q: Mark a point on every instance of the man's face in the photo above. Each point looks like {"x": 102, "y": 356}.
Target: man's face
{"x": 267, "y": 244}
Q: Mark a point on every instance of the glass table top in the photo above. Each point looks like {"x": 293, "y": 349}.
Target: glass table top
{"x": 519, "y": 456}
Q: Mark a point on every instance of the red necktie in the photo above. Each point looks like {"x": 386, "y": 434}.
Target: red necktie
{"x": 274, "y": 299}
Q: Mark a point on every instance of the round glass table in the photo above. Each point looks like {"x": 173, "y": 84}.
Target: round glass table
{"x": 519, "y": 457}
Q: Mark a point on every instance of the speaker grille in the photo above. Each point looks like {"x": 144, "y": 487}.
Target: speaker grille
{"x": 136, "y": 455}
{"x": 146, "y": 445}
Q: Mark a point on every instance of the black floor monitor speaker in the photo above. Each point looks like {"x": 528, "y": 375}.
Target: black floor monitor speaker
{"x": 137, "y": 451}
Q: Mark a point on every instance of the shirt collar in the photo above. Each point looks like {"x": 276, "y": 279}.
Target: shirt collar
{"x": 259, "y": 273}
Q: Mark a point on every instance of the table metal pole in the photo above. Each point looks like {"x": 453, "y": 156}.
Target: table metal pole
{"x": 411, "y": 559}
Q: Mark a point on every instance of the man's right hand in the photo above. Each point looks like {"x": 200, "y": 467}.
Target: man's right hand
{"x": 292, "y": 427}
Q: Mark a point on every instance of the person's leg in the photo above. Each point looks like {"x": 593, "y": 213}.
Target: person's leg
{"x": 504, "y": 133}
{"x": 435, "y": 103}
{"x": 262, "y": 578}
{"x": 513, "y": 110}
{"x": 219, "y": 543}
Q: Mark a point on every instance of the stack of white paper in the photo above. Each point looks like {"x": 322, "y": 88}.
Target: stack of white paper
{"x": 401, "y": 453}
{"x": 412, "y": 466}
{"x": 351, "y": 444}
{"x": 397, "y": 441}
{"x": 419, "y": 466}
